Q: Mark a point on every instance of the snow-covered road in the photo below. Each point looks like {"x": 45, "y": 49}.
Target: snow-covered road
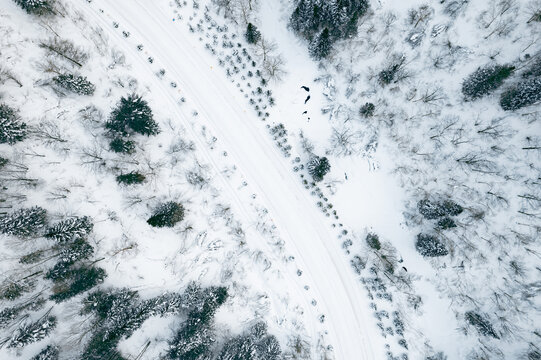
{"x": 350, "y": 324}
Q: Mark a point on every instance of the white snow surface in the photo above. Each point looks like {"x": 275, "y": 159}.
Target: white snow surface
{"x": 307, "y": 234}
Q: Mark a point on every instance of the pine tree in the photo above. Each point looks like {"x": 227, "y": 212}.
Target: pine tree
{"x": 36, "y": 7}
{"x": 119, "y": 145}
{"x": 318, "y": 167}
{"x": 321, "y": 46}
{"x": 77, "y": 281}
{"x": 256, "y": 344}
{"x": 70, "y": 230}
{"x": 3, "y": 162}
{"x": 51, "y": 352}
{"x": 167, "y": 215}
{"x": 485, "y": 80}
{"x": 481, "y": 323}
{"x": 11, "y": 313}
{"x": 32, "y": 332}
{"x": 193, "y": 341}
{"x": 130, "y": 178}
{"x": 367, "y": 110}
{"x": 390, "y": 74}
{"x": 433, "y": 210}
{"x": 525, "y": 93}
{"x": 24, "y": 222}
{"x": 429, "y": 245}
{"x": 132, "y": 115}
{"x": 68, "y": 255}
{"x": 11, "y": 129}
{"x": 75, "y": 83}
{"x": 253, "y": 35}
{"x": 373, "y": 241}
{"x": 340, "y": 17}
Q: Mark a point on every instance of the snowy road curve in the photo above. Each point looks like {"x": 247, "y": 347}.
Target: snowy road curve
{"x": 350, "y": 324}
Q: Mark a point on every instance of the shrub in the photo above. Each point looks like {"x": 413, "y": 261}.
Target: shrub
{"x": 357, "y": 264}
{"x": 318, "y": 167}
{"x": 367, "y": 110}
{"x": 71, "y": 229}
{"x": 253, "y": 35}
{"x": 75, "y": 83}
{"x": 132, "y": 114}
{"x": 12, "y": 129}
{"x": 131, "y": 178}
{"x": 485, "y": 80}
{"x": 373, "y": 241}
{"x": 481, "y": 323}
{"x": 36, "y": 7}
{"x": 24, "y": 222}
{"x": 525, "y": 93}
{"x": 431, "y": 246}
{"x": 119, "y": 145}
{"x": 167, "y": 215}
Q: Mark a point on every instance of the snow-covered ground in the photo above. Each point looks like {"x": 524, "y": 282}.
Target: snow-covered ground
{"x": 307, "y": 235}
{"x": 291, "y": 253}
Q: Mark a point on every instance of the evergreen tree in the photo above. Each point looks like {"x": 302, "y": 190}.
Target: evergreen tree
{"x": 318, "y": 167}
{"x": 68, "y": 255}
{"x": 526, "y": 92}
{"x": 24, "y": 222}
{"x": 70, "y": 230}
{"x": 254, "y": 345}
{"x": 36, "y": 7}
{"x": 119, "y": 145}
{"x": 321, "y": 46}
{"x": 193, "y": 341}
{"x": 446, "y": 223}
{"x": 433, "y": 210}
{"x": 485, "y": 80}
{"x": 253, "y": 35}
{"x": 196, "y": 337}
{"x": 11, "y": 129}
{"x": 534, "y": 68}
{"x": 340, "y": 17}
{"x": 167, "y": 215}
{"x": 431, "y": 246}
{"x": 32, "y": 332}
{"x": 481, "y": 323}
{"x": 49, "y": 353}
{"x": 3, "y": 162}
{"x": 77, "y": 281}
{"x": 75, "y": 83}
{"x": 367, "y": 110}
{"x": 373, "y": 241}
{"x": 130, "y": 178}
{"x": 390, "y": 74}
{"x": 132, "y": 115}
